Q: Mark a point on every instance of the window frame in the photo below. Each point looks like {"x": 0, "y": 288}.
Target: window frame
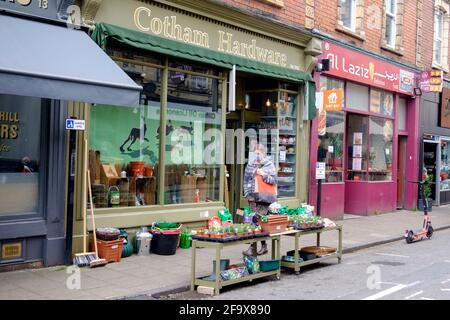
{"x": 438, "y": 36}
{"x": 352, "y": 15}
{"x": 393, "y": 32}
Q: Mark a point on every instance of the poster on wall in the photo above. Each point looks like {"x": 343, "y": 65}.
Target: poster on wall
{"x": 356, "y": 165}
{"x": 357, "y": 138}
{"x": 357, "y": 151}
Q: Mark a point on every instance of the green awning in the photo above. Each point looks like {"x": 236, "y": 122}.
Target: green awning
{"x": 140, "y": 40}
{"x": 311, "y": 100}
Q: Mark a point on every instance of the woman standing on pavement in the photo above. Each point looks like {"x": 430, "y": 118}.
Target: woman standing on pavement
{"x": 259, "y": 164}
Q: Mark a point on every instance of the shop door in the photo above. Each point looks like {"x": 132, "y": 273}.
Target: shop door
{"x": 401, "y": 166}
{"x": 430, "y": 150}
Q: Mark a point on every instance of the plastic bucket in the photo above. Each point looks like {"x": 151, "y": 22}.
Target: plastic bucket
{"x": 165, "y": 242}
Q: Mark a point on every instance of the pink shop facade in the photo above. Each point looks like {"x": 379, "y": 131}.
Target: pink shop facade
{"x": 369, "y": 145}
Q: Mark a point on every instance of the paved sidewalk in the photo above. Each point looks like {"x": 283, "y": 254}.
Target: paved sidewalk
{"x": 146, "y": 275}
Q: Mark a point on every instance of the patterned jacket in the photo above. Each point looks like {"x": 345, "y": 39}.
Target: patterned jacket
{"x": 269, "y": 176}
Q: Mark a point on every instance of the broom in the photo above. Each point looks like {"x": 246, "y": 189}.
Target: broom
{"x": 97, "y": 262}
{"x": 85, "y": 258}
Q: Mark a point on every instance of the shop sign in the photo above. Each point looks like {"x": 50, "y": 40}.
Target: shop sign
{"x": 178, "y": 26}
{"x": 74, "y": 124}
{"x": 431, "y": 80}
{"x": 9, "y": 129}
{"x": 445, "y": 108}
{"x": 40, "y": 8}
{"x": 358, "y": 67}
{"x": 333, "y": 100}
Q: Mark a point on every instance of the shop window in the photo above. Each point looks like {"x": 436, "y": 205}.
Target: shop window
{"x": 20, "y": 153}
{"x": 401, "y": 114}
{"x": 124, "y": 141}
{"x": 357, "y": 97}
{"x": 357, "y": 130}
{"x": 381, "y": 102}
{"x": 331, "y": 136}
{"x": 193, "y": 137}
{"x": 380, "y": 155}
{"x": 445, "y": 165}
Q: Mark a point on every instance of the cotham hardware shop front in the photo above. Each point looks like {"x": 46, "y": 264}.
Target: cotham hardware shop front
{"x": 171, "y": 158}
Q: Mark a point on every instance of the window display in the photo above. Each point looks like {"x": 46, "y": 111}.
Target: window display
{"x": 277, "y": 115}
{"x": 193, "y": 137}
{"x": 124, "y": 147}
{"x": 331, "y": 136}
{"x": 20, "y": 153}
{"x": 357, "y": 128}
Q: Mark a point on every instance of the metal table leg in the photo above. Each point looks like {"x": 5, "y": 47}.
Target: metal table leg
{"x": 194, "y": 245}
{"x": 340, "y": 245}
{"x": 217, "y": 284}
{"x": 296, "y": 254}
{"x": 318, "y": 239}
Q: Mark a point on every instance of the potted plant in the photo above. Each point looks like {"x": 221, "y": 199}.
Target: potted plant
{"x": 428, "y": 193}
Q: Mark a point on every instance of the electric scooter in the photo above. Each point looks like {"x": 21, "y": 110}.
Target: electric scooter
{"x": 427, "y": 230}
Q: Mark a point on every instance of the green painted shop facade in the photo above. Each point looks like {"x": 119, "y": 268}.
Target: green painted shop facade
{"x": 189, "y": 142}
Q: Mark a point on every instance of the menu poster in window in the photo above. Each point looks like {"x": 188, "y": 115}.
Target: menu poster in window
{"x": 356, "y": 164}
{"x": 357, "y": 151}
{"x": 357, "y": 138}
{"x": 375, "y": 101}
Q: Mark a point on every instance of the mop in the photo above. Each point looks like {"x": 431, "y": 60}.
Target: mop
{"x": 85, "y": 258}
{"x": 88, "y": 258}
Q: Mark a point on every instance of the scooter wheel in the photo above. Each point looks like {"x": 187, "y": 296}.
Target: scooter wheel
{"x": 409, "y": 237}
{"x": 430, "y": 232}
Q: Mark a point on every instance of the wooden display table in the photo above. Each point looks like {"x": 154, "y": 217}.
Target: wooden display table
{"x": 296, "y": 265}
{"x": 218, "y": 246}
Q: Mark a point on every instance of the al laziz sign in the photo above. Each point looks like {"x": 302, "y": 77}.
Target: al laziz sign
{"x": 40, "y": 8}
{"x": 358, "y": 67}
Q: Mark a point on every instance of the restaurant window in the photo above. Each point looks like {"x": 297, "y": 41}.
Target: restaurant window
{"x": 331, "y": 136}
{"x": 382, "y": 102}
{"x": 124, "y": 141}
{"x": 380, "y": 153}
{"x": 357, "y": 130}
{"x": 193, "y": 143}
{"x": 445, "y": 165}
{"x": 357, "y": 97}
{"x": 21, "y": 132}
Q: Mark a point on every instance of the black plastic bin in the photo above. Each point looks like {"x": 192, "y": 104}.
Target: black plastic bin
{"x": 165, "y": 242}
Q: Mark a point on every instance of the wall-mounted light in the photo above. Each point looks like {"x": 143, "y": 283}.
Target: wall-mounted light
{"x": 268, "y": 103}
{"x": 323, "y": 65}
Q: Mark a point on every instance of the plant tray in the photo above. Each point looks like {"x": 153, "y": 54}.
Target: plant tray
{"x": 230, "y": 239}
{"x": 299, "y": 227}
